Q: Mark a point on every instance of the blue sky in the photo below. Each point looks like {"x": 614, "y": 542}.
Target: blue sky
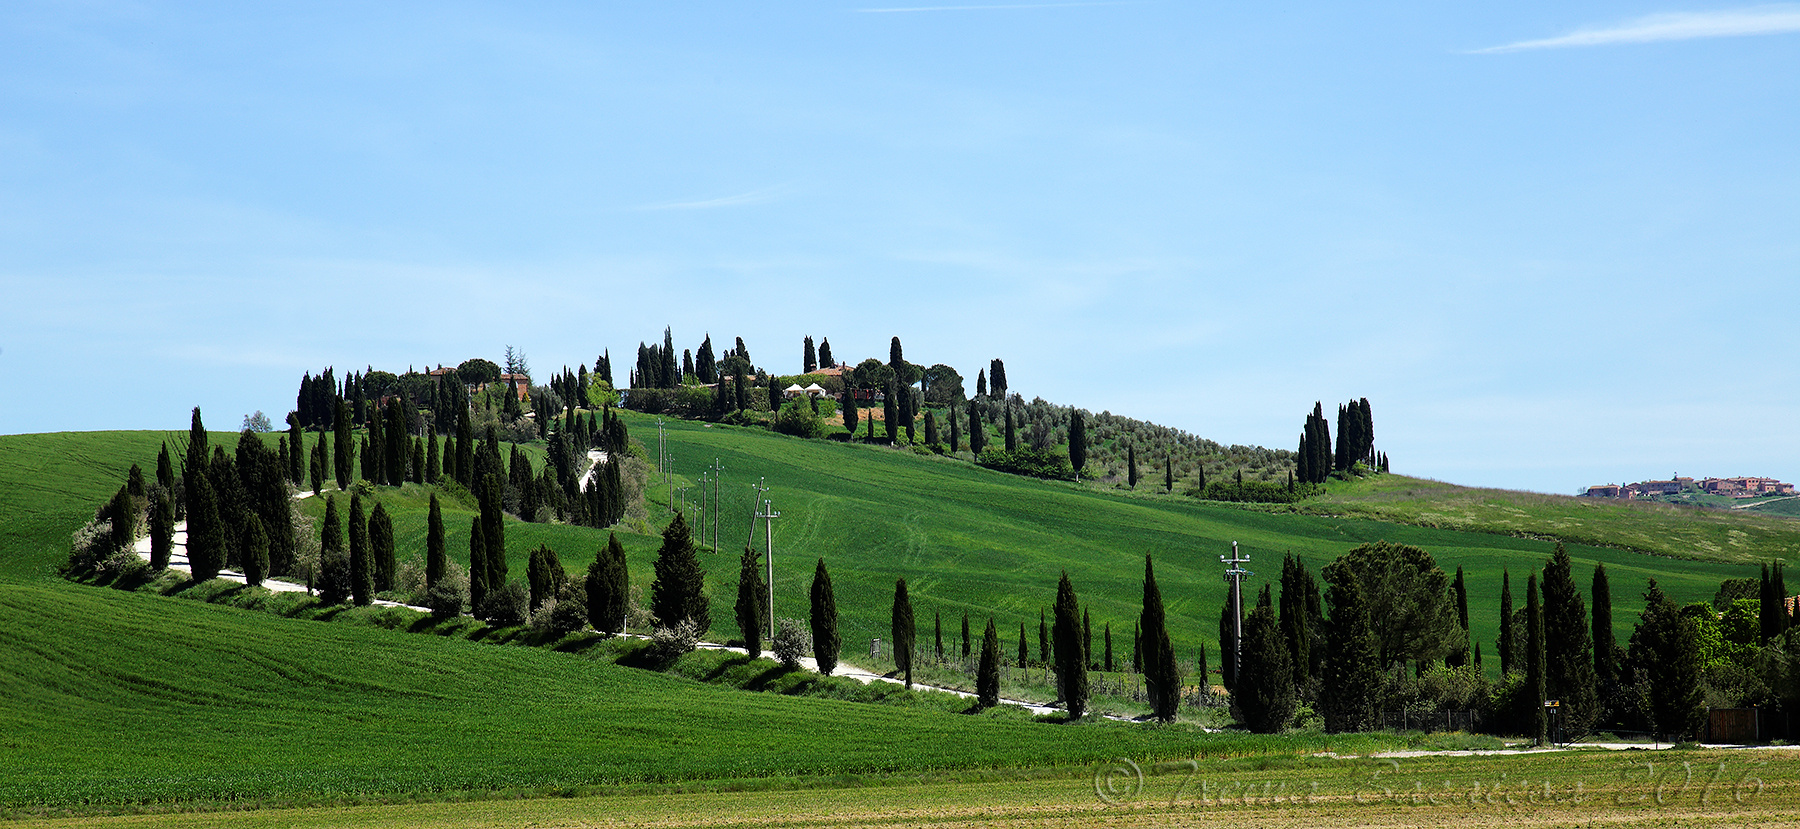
{"x": 1554, "y": 243}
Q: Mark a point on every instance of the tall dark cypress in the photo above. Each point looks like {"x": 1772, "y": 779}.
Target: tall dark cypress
{"x": 1352, "y": 670}
{"x": 478, "y": 567}
{"x": 1265, "y": 693}
{"x": 977, "y": 432}
{"x": 1024, "y": 651}
{"x": 987, "y": 676}
{"x": 437, "y": 562}
{"x": 955, "y": 426}
{"x": 1131, "y": 476}
{"x": 381, "y": 548}
{"x": 493, "y": 531}
{"x": 1535, "y": 667}
{"x": 809, "y": 361}
{"x": 608, "y": 584}
{"x": 362, "y": 581}
{"x": 345, "y": 458}
{"x": 1460, "y": 656}
{"x": 1161, "y": 678}
{"x": 1568, "y": 648}
{"x": 433, "y": 462}
{"x": 1043, "y": 638}
{"x": 965, "y": 637}
{"x": 206, "y": 528}
{"x": 937, "y": 624}
{"x": 826, "y": 639}
{"x": 256, "y": 551}
{"x": 1667, "y": 653}
{"x": 296, "y": 470}
{"x": 890, "y": 410}
{"x": 334, "y": 565}
{"x": 1296, "y": 629}
{"x": 1077, "y": 442}
{"x": 1109, "y": 654}
{"x": 1071, "y": 655}
{"x": 679, "y": 591}
{"x": 1606, "y": 646}
{"x": 904, "y": 633}
{"x": 162, "y": 530}
{"x": 931, "y": 429}
{"x": 752, "y": 600}
{"x": 1168, "y": 473}
{"x": 1505, "y": 643}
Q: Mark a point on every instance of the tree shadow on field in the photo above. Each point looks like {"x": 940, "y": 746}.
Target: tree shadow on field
{"x": 763, "y": 680}
{"x": 734, "y": 662}
{"x": 329, "y": 613}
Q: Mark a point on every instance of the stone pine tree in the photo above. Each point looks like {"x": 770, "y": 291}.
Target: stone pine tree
{"x": 1161, "y": 677}
{"x": 1505, "y": 643}
{"x": 678, "y": 592}
{"x": 362, "y": 580}
{"x": 1535, "y": 668}
{"x": 1569, "y": 648}
{"x": 1265, "y": 696}
{"x": 1606, "y": 647}
{"x": 1077, "y": 442}
{"x": 437, "y": 560}
{"x": 750, "y": 608}
{"x": 1071, "y": 656}
{"x": 381, "y": 549}
{"x": 826, "y": 640}
{"x": 903, "y": 632}
{"x": 1665, "y": 652}
{"x": 1352, "y": 669}
{"x": 608, "y": 586}
{"x": 987, "y": 676}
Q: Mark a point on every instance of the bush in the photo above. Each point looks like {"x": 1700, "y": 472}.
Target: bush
{"x": 507, "y": 606}
{"x": 793, "y": 640}
{"x": 797, "y": 419}
{"x": 88, "y": 546}
{"x": 1029, "y": 462}
{"x": 1255, "y": 492}
{"x": 444, "y": 600}
{"x": 668, "y": 643}
{"x": 124, "y": 569}
{"x": 564, "y": 613}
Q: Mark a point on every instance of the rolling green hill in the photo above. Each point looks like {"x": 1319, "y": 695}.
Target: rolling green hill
{"x": 117, "y": 697}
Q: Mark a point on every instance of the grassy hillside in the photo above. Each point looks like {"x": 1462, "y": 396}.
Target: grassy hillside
{"x": 968, "y": 539}
{"x": 1721, "y": 535}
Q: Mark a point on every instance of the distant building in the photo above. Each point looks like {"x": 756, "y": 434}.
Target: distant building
{"x": 1729, "y": 487}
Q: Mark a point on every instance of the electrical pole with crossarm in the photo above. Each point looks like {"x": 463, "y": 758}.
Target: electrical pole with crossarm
{"x": 1236, "y": 574}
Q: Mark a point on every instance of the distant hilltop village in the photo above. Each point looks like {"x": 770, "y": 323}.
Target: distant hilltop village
{"x": 1728, "y": 487}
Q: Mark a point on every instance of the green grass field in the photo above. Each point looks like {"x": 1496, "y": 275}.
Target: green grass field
{"x": 117, "y": 698}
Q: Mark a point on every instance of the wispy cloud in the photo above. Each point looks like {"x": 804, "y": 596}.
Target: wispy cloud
{"x": 985, "y": 8}
{"x": 1757, "y": 20}
{"x": 752, "y": 197}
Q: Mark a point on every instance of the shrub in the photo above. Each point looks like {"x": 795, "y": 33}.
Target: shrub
{"x": 1028, "y": 462}
{"x": 667, "y": 643}
{"x": 507, "y": 606}
{"x": 566, "y": 612}
{"x": 793, "y": 640}
{"x": 88, "y": 546}
{"x": 797, "y": 419}
{"x": 124, "y": 569}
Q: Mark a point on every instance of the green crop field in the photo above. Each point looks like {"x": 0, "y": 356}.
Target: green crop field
{"x": 116, "y": 698}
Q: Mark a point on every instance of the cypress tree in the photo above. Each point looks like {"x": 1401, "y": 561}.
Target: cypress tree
{"x": 493, "y": 530}
{"x": 334, "y": 566}
{"x": 890, "y": 410}
{"x": 478, "y": 567}
{"x": 1168, "y": 473}
{"x": 1664, "y": 649}
{"x": 1087, "y": 640}
{"x": 847, "y": 402}
{"x": 1535, "y": 668}
{"x": 977, "y": 433}
{"x": 1071, "y": 655}
{"x": 608, "y": 587}
{"x": 1131, "y": 476}
{"x": 433, "y": 461}
{"x": 1024, "y": 652}
{"x": 1296, "y": 628}
{"x": 955, "y": 426}
{"x": 1504, "y": 643}
{"x": 809, "y": 361}
{"x": 436, "y": 561}
{"x": 741, "y": 390}
{"x": 902, "y": 629}
{"x": 751, "y": 601}
{"x": 679, "y": 590}
{"x": 346, "y": 448}
{"x": 165, "y": 469}
{"x": 1265, "y": 693}
{"x": 1230, "y": 649}
{"x": 1137, "y": 648}
{"x": 1606, "y": 647}
{"x": 1161, "y": 678}
{"x": 1077, "y": 442}
{"x": 931, "y": 429}
{"x": 825, "y": 358}
{"x": 206, "y": 529}
{"x": 465, "y": 448}
{"x": 1569, "y": 648}
{"x": 1201, "y": 667}
{"x": 937, "y": 623}
{"x": 987, "y": 676}
{"x": 1461, "y": 656}
{"x": 1109, "y": 654}
{"x": 316, "y": 467}
{"x": 362, "y": 580}
{"x": 162, "y": 530}
{"x": 1043, "y": 638}
{"x": 256, "y": 551}
{"x": 381, "y": 549}
{"x": 1774, "y": 615}
{"x": 965, "y": 636}
{"x": 774, "y": 394}
{"x": 826, "y": 641}
{"x": 981, "y": 384}
{"x": 1352, "y": 669}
